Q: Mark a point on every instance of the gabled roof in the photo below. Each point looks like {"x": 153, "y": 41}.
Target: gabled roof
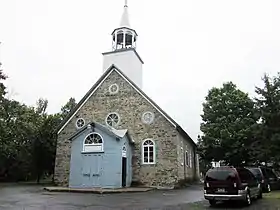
{"x": 97, "y": 85}
{"x": 109, "y": 130}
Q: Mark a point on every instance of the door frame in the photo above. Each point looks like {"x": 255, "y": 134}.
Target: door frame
{"x": 124, "y": 166}
{"x": 124, "y": 171}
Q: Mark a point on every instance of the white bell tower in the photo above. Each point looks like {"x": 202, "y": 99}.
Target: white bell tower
{"x": 124, "y": 54}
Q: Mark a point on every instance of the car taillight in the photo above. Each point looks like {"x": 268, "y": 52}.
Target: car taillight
{"x": 234, "y": 185}
{"x": 207, "y": 184}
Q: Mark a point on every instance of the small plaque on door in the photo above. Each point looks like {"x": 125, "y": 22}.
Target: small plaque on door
{"x": 124, "y": 151}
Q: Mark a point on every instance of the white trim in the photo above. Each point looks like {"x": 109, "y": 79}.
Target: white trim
{"x": 190, "y": 159}
{"x": 114, "y": 69}
{"x": 154, "y": 152}
{"x": 84, "y": 102}
{"x": 124, "y": 151}
{"x": 77, "y": 122}
{"x": 145, "y": 98}
{"x": 187, "y": 156}
{"x": 102, "y": 144}
{"x": 143, "y": 118}
{"x": 114, "y": 92}
{"x": 115, "y": 114}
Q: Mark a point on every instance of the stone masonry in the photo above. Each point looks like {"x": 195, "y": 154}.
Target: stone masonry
{"x": 130, "y": 106}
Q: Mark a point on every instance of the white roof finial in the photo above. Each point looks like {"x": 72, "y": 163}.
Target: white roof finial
{"x": 125, "y": 19}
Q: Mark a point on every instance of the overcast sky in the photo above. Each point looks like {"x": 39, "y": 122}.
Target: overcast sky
{"x": 52, "y": 48}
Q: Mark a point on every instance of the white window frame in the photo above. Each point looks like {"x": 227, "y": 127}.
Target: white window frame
{"x": 154, "y": 152}
{"x": 190, "y": 159}
{"x": 109, "y": 115}
{"x": 76, "y": 124}
{"x": 152, "y": 119}
{"x": 187, "y": 160}
{"x": 113, "y": 92}
{"x": 93, "y": 145}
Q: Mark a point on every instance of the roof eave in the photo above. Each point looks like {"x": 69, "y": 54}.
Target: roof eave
{"x": 72, "y": 112}
{"x": 185, "y": 134}
{"x": 124, "y": 50}
{"x": 124, "y": 27}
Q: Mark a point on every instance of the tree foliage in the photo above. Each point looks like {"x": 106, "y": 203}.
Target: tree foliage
{"x": 2, "y": 86}
{"x": 267, "y": 145}
{"x": 27, "y": 138}
{"x": 66, "y": 109}
{"x": 229, "y": 117}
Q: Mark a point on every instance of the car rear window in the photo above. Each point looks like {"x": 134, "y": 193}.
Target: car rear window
{"x": 256, "y": 172}
{"x": 220, "y": 175}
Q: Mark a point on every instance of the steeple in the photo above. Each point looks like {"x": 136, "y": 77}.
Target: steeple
{"x": 123, "y": 54}
{"x": 125, "y": 16}
{"x": 124, "y": 36}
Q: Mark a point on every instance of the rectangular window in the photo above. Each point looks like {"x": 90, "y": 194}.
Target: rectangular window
{"x": 186, "y": 159}
{"x": 191, "y": 160}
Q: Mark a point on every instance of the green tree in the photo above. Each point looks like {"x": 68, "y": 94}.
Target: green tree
{"x": 2, "y": 86}
{"x": 229, "y": 117}
{"x": 27, "y": 138}
{"x": 19, "y": 123}
{"x": 68, "y": 107}
{"x": 268, "y": 102}
{"x": 44, "y": 142}
{"x": 42, "y": 105}
{"x": 204, "y": 161}
{"x": 44, "y": 146}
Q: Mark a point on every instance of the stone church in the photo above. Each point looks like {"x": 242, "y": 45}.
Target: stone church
{"x": 117, "y": 136}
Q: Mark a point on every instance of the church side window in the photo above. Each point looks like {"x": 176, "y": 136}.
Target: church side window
{"x": 80, "y": 123}
{"x": 191, "y": 160}
{"x": 93, "y": 143}
{"x": 113, "y": 119}
{"x": 187, "y": 158}
{"x": 148, "y": 152}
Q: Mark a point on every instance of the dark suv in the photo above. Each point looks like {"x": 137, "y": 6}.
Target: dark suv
{"x": 266, "y": 177}
{"x": 230, "y": 183}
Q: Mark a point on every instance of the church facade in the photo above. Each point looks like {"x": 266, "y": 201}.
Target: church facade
{"x": 117, "y": 136}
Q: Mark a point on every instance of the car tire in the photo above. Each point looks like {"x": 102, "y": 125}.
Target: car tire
{"x": 212, "y": 202}
{"x": 248, "y": 199}
{"x": 260, "y": 196}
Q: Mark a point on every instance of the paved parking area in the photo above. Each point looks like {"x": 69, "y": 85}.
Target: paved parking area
{"x": 24, "y": 197}
{"x": 264, "y": 204}
{"x": 28, "y": 197}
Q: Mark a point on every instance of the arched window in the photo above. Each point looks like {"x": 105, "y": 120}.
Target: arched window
{"x": 93, "y": 143}
{"x": 148, "y": 152}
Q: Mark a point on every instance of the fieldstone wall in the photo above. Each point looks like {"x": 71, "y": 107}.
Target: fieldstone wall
{"x": 186, "y": 170}
{"x": 130, "y": 106}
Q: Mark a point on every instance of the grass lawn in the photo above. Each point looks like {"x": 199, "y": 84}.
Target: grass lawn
{"x": 272, "y": 195}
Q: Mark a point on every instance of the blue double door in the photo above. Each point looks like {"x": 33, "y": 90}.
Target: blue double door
{"x": 92, "y": 170}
